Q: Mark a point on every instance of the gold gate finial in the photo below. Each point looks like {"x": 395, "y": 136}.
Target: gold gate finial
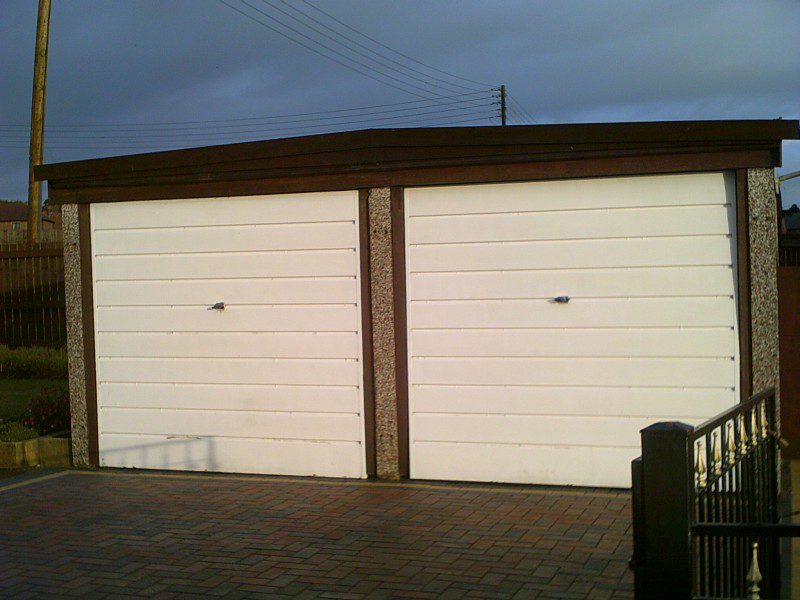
{"x": 700, "y": 467}
{"x": 730, "y": 443}
{"x": 716, "y": 455}
{"x": 754, "y": 576}
{"x": 742, "y": 435}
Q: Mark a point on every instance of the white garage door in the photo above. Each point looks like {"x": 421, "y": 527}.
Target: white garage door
{"x": 507, "y": 385}
{"x": 270, "y": 384}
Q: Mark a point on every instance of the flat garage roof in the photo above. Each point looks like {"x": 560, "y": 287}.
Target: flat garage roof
{"x": 419, "y": 156}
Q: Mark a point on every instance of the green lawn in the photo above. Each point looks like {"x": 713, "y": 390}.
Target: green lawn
{"x": 14, "y": 396}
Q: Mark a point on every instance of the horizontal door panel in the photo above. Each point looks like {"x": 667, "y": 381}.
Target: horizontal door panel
{"x": 693, "y": 342}
{"x": 510, "y": 463}
{"x": 565, "y": 225}
{"x": 574, "y": 194}
{"x": 230, "y": 345}
{"x": 320, "y": 263}
{"x": 221, "y": 370}
{"x": 599, "y": 283}
{"x": 289, "y": 236}
{"x": 590, "y": 400}
{"x": 241, "y": 424}
{"x": 326, "y": 290}
{"x": 666, "y": 372}
{"x": 268, "y": 398}
{"x": 572, "y": 254}
{"x": 279, "y": 457}
{"x": 640, "y": 312}
{"x": 233, "y": 318}
{"x": 248, "y": 210}
{"x": 542, "y": 430}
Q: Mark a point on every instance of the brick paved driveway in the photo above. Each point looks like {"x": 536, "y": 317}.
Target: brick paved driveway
{"x": 117, "y": 533}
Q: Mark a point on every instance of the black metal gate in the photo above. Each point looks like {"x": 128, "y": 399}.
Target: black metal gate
{"x": 704, "y": 500}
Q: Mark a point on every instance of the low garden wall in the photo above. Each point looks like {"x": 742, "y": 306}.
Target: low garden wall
{"x": 44, "y": 451}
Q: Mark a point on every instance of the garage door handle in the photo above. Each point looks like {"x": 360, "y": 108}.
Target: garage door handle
{"x": 561, "y": 299}
{"x": 217, "y": 306}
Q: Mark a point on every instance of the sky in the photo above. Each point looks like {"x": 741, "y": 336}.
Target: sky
{"x": 127, "y": 76}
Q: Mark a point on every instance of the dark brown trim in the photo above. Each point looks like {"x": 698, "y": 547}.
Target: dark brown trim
{"x": 400, "y": 332}
{"x": 378, "y": 176}
{"x": 366, "y": 332}
{"x": 366, "y": 160}
{"x": 377, "y": 145}
{"x": 743, "y": 285}
{"x": 87, "y": 311}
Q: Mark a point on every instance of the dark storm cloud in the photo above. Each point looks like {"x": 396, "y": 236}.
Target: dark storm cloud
{"x": 117, "y": 61}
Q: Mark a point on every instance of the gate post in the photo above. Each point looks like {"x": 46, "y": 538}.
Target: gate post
{"x": 666, "y": 495}
{"x": 638, "y": 558}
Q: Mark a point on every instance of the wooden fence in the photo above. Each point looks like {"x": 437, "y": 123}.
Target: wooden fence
{"x": 789, "y": 252}
{"x": 20, "y": 236}
{"x": 32, "y": 295}
{"x": 789, "y": 320}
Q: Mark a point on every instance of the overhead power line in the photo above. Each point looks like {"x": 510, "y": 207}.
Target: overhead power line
{"x": 343, "y": 59}
{"x": 435, "y": 80}
{"x": 407, "y": 121}
{"x": 368, "y": 53}
{"x": 212, "y": 138}
{"x": 382, "y": 45}
{"x": 514, "y": 116}
{"x": 404, "y": 108}
{"x": 527, "y": 116}
{"x": 519, "y": 118}
{"x": 441, "y": 100}
{"x": 100, "y": 144}
{"x": 322, "y": 54}
{"x": 421, "y": 116}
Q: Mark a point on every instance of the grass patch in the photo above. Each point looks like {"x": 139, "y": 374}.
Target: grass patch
{"x": 33, "y": 363}
{"x": 16, "y": 432}
{"x": 16, "y": 393}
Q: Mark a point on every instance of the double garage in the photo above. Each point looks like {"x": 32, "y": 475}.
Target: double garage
{"x": 423, "y": 308}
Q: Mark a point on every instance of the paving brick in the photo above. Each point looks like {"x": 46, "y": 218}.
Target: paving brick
{"x": 113, "y": 534}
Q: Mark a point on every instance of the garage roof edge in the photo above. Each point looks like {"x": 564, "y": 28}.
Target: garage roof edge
{"x": 372, "y": 149}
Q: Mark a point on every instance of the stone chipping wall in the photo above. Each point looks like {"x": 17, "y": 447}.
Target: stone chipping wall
{"x": 383, "y": 348}
{"x": 75, "y": 348}
{"x": 762, "y": 207}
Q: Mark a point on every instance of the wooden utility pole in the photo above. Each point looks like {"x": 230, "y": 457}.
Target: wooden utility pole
{"x": 502, "y": 105}
{"x": 37, "y": 121}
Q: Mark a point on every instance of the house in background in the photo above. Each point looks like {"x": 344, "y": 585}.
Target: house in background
{"x": 790, "y": 223}
{"x": 14, "y": 222}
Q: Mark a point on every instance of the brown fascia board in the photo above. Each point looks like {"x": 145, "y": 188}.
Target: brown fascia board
{"x": 383, "y": 147}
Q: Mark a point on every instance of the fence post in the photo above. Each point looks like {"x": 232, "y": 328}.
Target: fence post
{"x": 637, "y": 509}
{"x": 666, "y": 495}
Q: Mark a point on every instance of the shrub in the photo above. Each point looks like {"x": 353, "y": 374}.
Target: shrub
{"x": 49, "y": 411}
{"x": 22, "y": 363}
{"x": 16, "y": 432}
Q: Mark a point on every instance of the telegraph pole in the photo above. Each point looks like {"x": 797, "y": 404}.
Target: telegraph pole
{"x": 37, "y": 121}
{"x": 502, "y": 104}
